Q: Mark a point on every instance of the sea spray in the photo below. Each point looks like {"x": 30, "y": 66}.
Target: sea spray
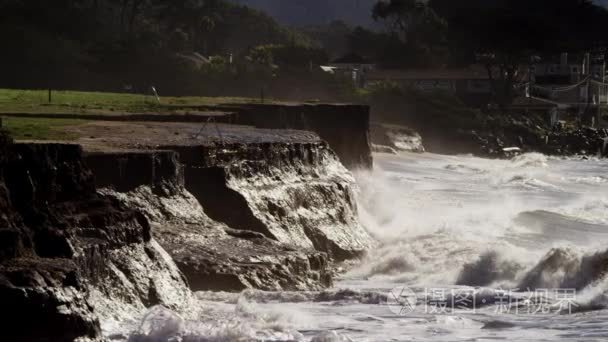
{"x": 456, "y": 228}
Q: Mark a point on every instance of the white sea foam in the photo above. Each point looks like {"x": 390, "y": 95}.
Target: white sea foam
{"x": 452, "y": 222}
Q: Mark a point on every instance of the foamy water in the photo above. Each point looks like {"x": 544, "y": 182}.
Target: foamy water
{"x": 458, "y": 235}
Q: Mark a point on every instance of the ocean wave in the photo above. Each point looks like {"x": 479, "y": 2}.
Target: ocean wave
{"x": 327, "y": 296}
{"x": 488, "y": 269}
{"x": 590, "y": 210}
{"x": 530, "y": 160}
{"x": 527, "y": 181}
{"x": 593, "y": 297}
{"x": 242, "y": 322}
{"x": 591, "y": 180}
{"x": 464, "y": 168}
{"x": 566, "y": 268}
{"x": 566, "y": 228}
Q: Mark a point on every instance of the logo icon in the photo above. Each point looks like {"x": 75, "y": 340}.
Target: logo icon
{"x": 401, "y": 300}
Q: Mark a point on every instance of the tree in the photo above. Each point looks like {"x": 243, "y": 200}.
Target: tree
{"x": 420, "y": 30}
{"x": 504, "y": 34}
{"x": 414, "y": 20}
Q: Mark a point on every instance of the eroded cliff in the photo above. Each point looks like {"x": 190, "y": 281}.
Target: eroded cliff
{"x": 90, "y": 240}
{"x": 70, "y": 257}
{"x": 269, "y": 212}
{"x": 296, "y": 193}
{"x": 212, "y": 255}
{"x": 345, "y": 127}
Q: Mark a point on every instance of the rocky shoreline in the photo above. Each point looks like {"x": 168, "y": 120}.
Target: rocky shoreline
{"x": 96, "y": 232}
{"x": 499, "y": 136}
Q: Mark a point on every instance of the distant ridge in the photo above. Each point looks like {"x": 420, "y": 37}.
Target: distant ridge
{"x": 602, "y": 2}
{"x": 315, "y": 12}
{"x": 318, "y": 12}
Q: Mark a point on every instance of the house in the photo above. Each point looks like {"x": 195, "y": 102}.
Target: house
{"x": 353, "y": 61}
{"x": 351, "y": 65}
{"x": 472, "y": 84}
{"x": 578, "y": 82}
{"x": 568, "y": 69}
{"x": 574, "y": 81}
{"x": 551, "y": 111}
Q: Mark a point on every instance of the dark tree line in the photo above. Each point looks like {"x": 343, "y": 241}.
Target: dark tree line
{"x": 104, "y": 44}
{"x": 504, "y": 35}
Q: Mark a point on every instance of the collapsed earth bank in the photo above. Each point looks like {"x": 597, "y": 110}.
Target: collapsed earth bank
{"x": 90, "y": 238}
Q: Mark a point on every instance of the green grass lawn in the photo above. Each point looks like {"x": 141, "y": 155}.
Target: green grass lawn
{"x": 40, "y": 129}
{"x": 36, "y": 101}
{"x": 15, "y": 101}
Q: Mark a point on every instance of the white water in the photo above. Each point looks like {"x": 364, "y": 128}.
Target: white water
{"x": 443, "y": 221}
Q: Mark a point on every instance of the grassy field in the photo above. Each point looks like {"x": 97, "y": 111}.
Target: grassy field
{"x": 75, "y": 102}
{"x": 40, "y": 129}
{"x": 36, "y": 101}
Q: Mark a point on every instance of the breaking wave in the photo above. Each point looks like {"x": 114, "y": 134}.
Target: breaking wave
{"x": 462, "y": 234}
{"x": 245, "y": 321}
{"x": 530, "y": 160}
{"x": 461, "y": 222}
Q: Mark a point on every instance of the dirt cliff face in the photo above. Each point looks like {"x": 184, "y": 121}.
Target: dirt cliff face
{"x": 265, "y": 215}
{"x": 294, "y": 193}
{"x": 66, "y": 250}
{"x": 215, "y": 257}
{"x": 344, "y": 127}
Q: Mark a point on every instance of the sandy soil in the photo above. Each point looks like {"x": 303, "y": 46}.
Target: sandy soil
{"x": 110, "y": 135}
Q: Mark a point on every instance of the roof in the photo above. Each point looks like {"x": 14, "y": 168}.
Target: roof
{"x": 328, "y": 69}
{"x": 573, "y": 59}
{"x": 523, "y": 101}
{"x": 196, "y": 59}
{"x": 351, "y": 58}
{"x": 470, "y": 73}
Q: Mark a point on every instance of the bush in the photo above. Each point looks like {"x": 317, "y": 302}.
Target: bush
{"x": 398, "y": 104}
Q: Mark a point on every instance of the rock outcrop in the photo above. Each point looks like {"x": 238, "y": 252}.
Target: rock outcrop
{"x": 389, "y": 138}
{"x": 295, "y": 193}
{"x": 284, "y": 184}
{"x": 266, "y": 213}
{"x": 215, "y": 257}
{"x": 345, "y": 127}
{"x": 70, "y": 257}
{"x": 88, "y": 241}
{"x": 580, "y": 141}
{"x": 495, "y": 134}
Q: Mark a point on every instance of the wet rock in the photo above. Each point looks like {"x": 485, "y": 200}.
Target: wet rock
{"x": 344, "y": 127}
{"x": 215, "y": 261}
{"x": 396, "y": 137}
{"x": 279, "y": 204}
{"x": 383, "y": 149}
{"x": 223, "y": 239}
{"x": 47, "y": 301}
{"x": 115, "y": 170}
{"x": 68, "y": 250}
{"x": 213, "y": 256}
{"x": 578, "y": 141}
{"x": 295, "y": 193}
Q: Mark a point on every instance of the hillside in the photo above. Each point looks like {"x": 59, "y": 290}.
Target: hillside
{"x": 315, "y": 12}
{"x": 602, "y": 2}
